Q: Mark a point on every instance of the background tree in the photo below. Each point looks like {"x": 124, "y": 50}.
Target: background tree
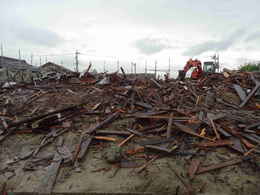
{"x": 250, "y": 67}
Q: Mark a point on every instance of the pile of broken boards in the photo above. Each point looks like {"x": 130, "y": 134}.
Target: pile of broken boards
{"x": 133, "y": 119}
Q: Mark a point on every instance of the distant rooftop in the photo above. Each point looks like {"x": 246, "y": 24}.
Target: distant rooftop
{"x": 50, "y": 66}
{"x": 13, "y": 63}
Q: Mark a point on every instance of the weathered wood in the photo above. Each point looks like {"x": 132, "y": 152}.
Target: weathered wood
{"x": 194, "y": 165}
{"x": 188, "y": 130}
{"x": 240, "y": 92}
{"x": 49, "y": 180}
{"x": 219, "y": 166}
{"x": 169, "y": 126}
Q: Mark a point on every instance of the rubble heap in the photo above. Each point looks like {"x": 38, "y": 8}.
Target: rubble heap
{"x": 138, "y": 118}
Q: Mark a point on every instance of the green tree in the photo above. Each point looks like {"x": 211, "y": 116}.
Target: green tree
{"x": 250, "y": 67}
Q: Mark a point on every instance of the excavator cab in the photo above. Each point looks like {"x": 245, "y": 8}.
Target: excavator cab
{"x": 209, "y": 67}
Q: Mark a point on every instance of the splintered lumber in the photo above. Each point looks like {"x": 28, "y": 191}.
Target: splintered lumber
{"x": 214, "y": 128}
{"x": 241, "y": 93}
{"x": 188, "y": 130}
{"x": 83, "y": 147}
{"x": 70, "y": 108}
{"x": 126, "y": 140}
{"x": 108, "y": 120}
{"x": 254, "y": 90}
{"x": 194, "y": 165}
{"x": 156, "y": 141}
{"x": 219, "y": 166}
{"x": 48, "y": 182}
{"x": 158, "y": 148}
{"x": 83, "y": 144}
{"x": 111, "y": 139}
{"x": 144, "y": 166}
{"x": 135, "y": 132}
{"x": 215, "y": 144}
{"x": 169, "y": 126}
{"x": 109, "y": 132}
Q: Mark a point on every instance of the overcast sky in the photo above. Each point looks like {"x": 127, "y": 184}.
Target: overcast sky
{"x": 132, "y": 30}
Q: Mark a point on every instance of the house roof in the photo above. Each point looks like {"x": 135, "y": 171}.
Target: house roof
{"x": 13, "y": 63}
{"x": 49, "y": 66}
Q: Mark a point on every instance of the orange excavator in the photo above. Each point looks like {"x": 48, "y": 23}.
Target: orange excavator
{"x": 197, "y": 72}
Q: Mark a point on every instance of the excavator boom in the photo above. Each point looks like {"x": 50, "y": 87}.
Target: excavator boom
{"x": 197, "y": 72}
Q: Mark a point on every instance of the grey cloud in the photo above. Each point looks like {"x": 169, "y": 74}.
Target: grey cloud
{"x": 37, "y": 35}
{"x": 254, "y": 36}
{"x": 150, "y": 46}
{"x": 19, "y": 29}
{"x": 220, "y": 45}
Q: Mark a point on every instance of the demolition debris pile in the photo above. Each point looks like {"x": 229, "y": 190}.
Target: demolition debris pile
{"x": 135, "y": 119}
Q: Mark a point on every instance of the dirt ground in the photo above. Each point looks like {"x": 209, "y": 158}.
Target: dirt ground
{"x": 96, "y": 175}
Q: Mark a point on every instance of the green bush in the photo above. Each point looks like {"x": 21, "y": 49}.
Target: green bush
{"x": 250, "y": 67}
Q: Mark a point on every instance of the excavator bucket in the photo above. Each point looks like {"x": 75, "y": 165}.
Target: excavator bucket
{"x": 181, "y": 75}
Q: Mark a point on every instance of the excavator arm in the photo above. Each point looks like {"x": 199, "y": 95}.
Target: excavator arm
{"x": 197, "y": 72}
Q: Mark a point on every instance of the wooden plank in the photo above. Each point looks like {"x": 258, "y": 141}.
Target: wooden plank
{"x": 49, "y": 180}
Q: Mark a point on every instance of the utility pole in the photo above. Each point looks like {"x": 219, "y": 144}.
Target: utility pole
{"x": 19, "y": 53}
{"x": 40, "y": 60}
{"x": 104, "y": 66}
{"x": 2, "y": 50}
{"x": 31, "y": 59}
{"x": 155, "y": 69}
{"x": 145, "y": 68}
{"x": 118, "y": 65}
{"x": 2, "y": 53}
{"x": 77, "y": 61}
{"x": 133, "y": 68}
{"x": 46, "y": 59}
{"x": 169, "y": 65}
